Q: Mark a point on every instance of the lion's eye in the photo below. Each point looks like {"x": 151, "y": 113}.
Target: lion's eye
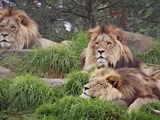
{"x": 2, "y": 26}
{"x": 109, "y": 43}
{"x": 97, "y": 43}
{"x": 13, "y": 28}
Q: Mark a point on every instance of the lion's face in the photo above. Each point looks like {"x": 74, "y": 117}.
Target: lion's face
{"x": 102, "y": 86}
{"x": 103, "y": 47}
{"x": 8, "y": 32}
{"x": 17, "y": 30}
{"x": 106, "y": 48}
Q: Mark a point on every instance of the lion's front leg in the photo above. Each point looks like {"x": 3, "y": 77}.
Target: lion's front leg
{"x": 139, "y": 102}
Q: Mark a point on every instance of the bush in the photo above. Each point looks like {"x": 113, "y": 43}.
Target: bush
{"x": 75, "y": 83}
{"x": 75, "y": 108}
{"x": 4, "y": 92}
{"x": 28, "y": 92}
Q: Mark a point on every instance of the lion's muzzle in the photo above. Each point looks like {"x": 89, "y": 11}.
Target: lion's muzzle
{"x": 5, "y": 44}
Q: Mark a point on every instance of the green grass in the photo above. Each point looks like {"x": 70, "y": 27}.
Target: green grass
{"x": 75, "y": 108}
{"x": 14, "y": 115}
{"x": 11, "y": 61}
{"x": 4, "y": 92}
{"x": 145, "y": 112}
{"x": 151, "y": 57}
{"x": 75, "y": 83}
{"x": 28, "y": 92}
{"x": 79, "y": 42}
{"x": 58, "y": 60}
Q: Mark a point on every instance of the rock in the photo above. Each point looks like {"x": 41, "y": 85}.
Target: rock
{"x": 4, "y": 72}
{"x": 55, "y": 82}
{"x": 138, "y": 42}
{"x": 20, "y": 53}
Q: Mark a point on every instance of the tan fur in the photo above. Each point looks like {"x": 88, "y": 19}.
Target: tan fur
{"x": 106, "y": 48}
{"x": 18, "y": 31}
{"x": 129, "y": 85}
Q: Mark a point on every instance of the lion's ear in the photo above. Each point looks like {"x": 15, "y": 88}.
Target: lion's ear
{"x": 119, "y": 34}
{"x": 89, "y": 35}
{"x": 22, "y": 19}
{"x": 113, "y": 80}
{"x": 93, "y": 33}
{"x": 114, "y": 30}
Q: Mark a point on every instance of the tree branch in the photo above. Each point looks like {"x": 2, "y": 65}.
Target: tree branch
{"x": 71, "y": 11}
{"x": 102, "y": 8}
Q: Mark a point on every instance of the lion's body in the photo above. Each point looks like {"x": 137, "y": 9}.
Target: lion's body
{"x": 18, "y": 31}
{"x": 129, "y": 85}
{"x": 106, "y": 48}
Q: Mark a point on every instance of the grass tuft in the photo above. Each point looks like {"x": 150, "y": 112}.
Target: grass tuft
{"x": 57, "y": 60}
{"x": 75, "y": 83}
{"x": 28, "y": 92}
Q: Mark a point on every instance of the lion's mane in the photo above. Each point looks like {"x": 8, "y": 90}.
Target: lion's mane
{"x": 107, "y": 39}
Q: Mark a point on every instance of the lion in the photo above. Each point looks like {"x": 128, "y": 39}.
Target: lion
{"x": 106, "y": 48}
{"x": 125, "y": 86}
{"x": 18, "y": 31}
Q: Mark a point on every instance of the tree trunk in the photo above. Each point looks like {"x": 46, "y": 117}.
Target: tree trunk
{"x": 91, "y": 18}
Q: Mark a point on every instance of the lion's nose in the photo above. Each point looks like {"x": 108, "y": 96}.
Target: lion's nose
{"x": 101, "y": 51}
{"x": 4, "y": 34}
{"x": 86, "y": 88}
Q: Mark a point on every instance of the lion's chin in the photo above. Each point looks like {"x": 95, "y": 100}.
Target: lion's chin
{"x": 101, "y": 62}
{"x": 5, "y": 45}
{"x": 84, "y": 96}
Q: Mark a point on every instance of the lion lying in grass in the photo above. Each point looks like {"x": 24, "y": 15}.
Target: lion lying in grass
{"x": 18, "y": 31}
{"x": 127, "y": 86}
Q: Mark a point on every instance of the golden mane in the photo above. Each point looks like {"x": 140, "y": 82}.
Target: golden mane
{"x": 127, "y": 86}
{"x": 107, "y": 39}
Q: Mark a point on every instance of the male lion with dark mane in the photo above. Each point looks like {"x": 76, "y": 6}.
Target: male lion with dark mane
{"x": 18, "y": 31}
{"x": 106, "y": 48}
{"x": 127, "y": 86}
